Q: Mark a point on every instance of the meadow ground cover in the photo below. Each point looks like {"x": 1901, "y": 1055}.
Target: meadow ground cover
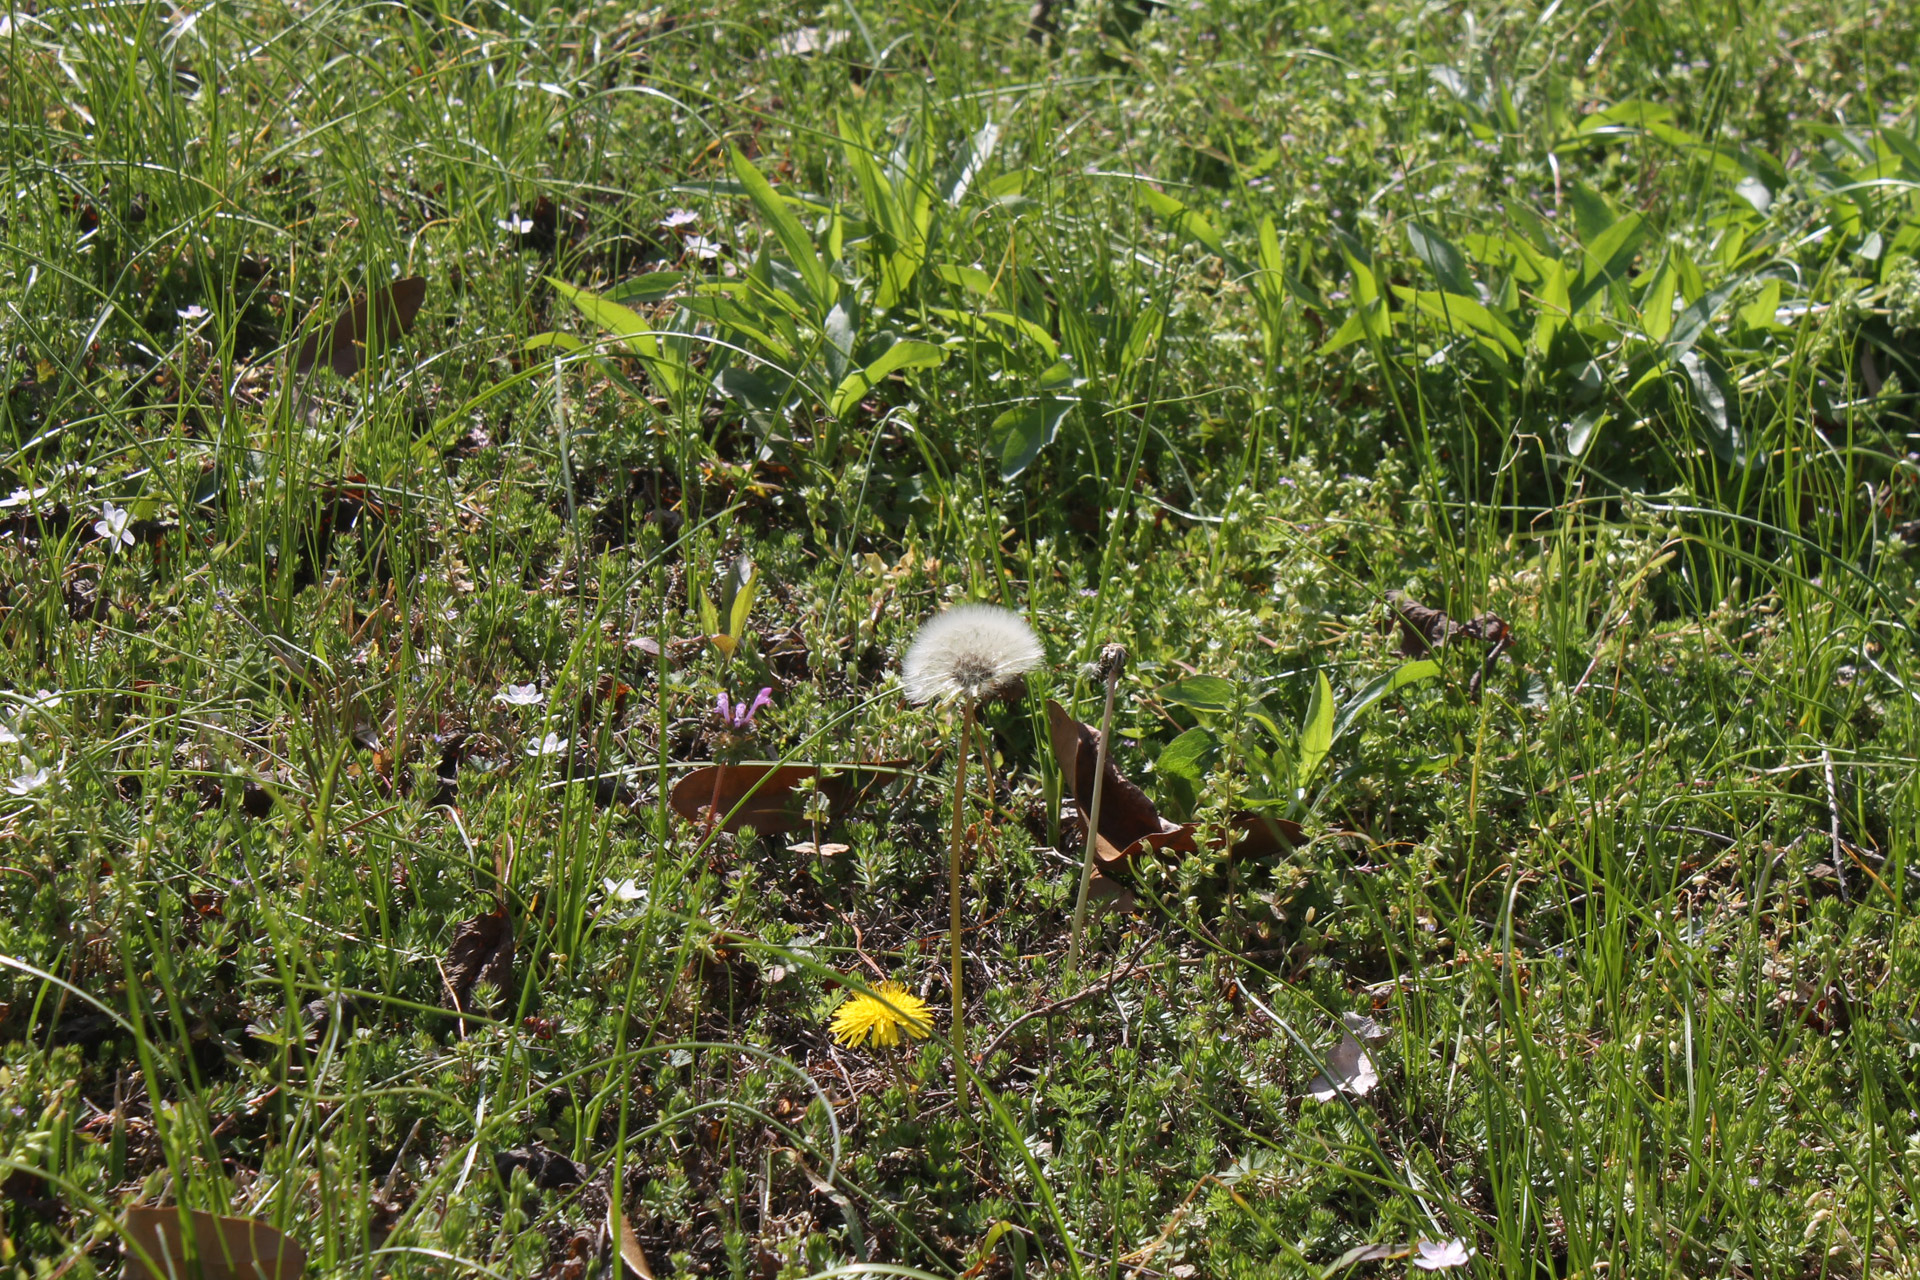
{"x": 473, "y": 473}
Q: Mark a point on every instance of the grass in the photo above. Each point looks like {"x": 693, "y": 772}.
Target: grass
{"x": 1196, "y": 329}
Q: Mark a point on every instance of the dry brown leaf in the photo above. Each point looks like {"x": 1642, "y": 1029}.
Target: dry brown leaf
{"x": 767, "y": 798}
{"x": 628, "y": 1244}
{"x": 1129, "y": 823}
{"x": 1128, "y": 820}
{"x": 482, "y": 951}
{"x": 227, "y": 1248}
{"x": 1423, "y": 629}
{"x": 389, "y": 314}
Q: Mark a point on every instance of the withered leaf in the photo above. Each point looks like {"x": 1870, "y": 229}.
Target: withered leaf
{"x": 381, "y": 318}
{"x": 1423, "y": 629}
{"x": 546, "y": 1169}
{"x": 767, "y": 798}
{"x": 626, "y": 1242}
{"x": 1128, "y": 820}
{"x": 227, "y": 1248}
{"x": 482, "y": 951}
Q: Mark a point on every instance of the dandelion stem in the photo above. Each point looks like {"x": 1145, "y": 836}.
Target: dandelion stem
{"x": 953, "y": 905}
{"x": 1093, "y": 820}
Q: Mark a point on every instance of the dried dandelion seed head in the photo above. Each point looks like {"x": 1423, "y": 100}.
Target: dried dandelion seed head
{"x": 890, "y": 1010}
{"x": 968, "y": 651}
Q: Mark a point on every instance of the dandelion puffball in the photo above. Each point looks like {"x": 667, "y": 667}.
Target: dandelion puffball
{"x": 970, "y": 650}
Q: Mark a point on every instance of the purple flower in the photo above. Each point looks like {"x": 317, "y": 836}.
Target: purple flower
{"x": 737, "y": 717}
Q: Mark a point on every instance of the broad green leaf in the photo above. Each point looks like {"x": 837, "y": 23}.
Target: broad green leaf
{"x": 1186, "y": 221}
{"x": 745, "y": 585}
{"x": 630, "y": 330}
{"x": 906, "y": 354}
{"x": 1455, "y": 310}
{"x": 1016, "y": 437}
{"x": 1210, "y": 694}
{"x": 1552, "y": 308}
{"x": 564, "y": 341}
{"x": 972, "y": 279}
{"x": 1762, "y": 312}
{"x": 1592, "y": 215}
{"x": 1271, "y": 260}
{"x": 1656, "y": 305}
{"x": 1183, "y": 767}
{"x": 1006, "y": 319}
{"x": 787, "y": 229}
{"x": 1145, "y": 332}
{"x": 979, "y": 151}
{"x": 1634, "y": 113}
{"x": 1719, "y": 406}
{"x": 1399, "y": 678}
{"x": 625, "y": 324}
{"x": 1448, "y": 264}
{"x": 1693, "y": 321}
{"x": 1580, "y": 432}
{"x": 651, "y": 287}
{"x": 1370, "y": 318}
{"x": 1316, "y": 732}
{"x": 1609, "y": 256}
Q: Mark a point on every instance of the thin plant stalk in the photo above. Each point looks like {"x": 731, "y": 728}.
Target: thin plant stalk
{"x": 1093, "y": 815}
{"x": 953, "y": 904}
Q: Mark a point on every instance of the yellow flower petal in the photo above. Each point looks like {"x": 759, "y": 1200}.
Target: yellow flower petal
{"x": 881, "y": 1016}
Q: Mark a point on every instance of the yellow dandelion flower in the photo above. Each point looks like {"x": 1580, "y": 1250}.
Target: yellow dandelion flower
{"x": 883, "y": 1015}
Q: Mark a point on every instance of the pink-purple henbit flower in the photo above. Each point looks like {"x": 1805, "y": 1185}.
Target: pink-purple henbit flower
{"x": 737, "y": 717}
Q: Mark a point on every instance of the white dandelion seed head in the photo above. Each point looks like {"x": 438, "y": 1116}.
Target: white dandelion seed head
{"x": 970, "y": 650}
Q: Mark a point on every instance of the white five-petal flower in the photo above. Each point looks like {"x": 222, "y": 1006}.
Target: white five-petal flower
{"x": 520, "y": 695}
{"x": 551, "y": 745}
{"x": 112, "y": 525}
{"x": 29, "y": 779}
{"x": 1441, "y": 1255}
{"x": 623, "y": 890}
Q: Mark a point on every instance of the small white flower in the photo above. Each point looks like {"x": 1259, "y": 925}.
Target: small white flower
{"x": 623, "y": 890}
{"x": 702, "y": 248}
{"x": 7, "y": 736}
{"x": 1441, "y": 1255}
{"x": 29, "y": 779}
{"x": 112, "y": 525}
{"x": 45, "y": 698}
{"x": 193, "y": 312}
{"x": 514, "y": 225}
{"x": 520, "y": 695}
{"x": 677, "y": 218}
{"x": 1350, "y": 1069}
{"x": 21, "y": 497}
{"x": 970, "y": 650}
{"x": 551, "y": 745}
